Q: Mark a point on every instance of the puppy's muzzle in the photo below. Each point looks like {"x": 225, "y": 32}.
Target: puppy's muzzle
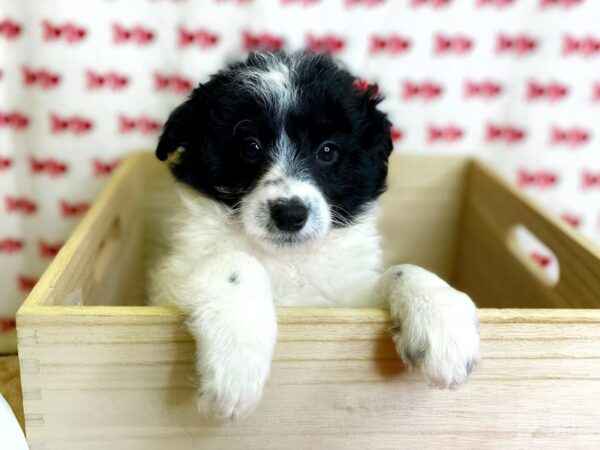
{"x": 288, "y": 214}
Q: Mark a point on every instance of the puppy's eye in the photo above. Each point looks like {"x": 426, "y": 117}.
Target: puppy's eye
{"x": 327, "y": 154}
{"x": 251, "y": 150}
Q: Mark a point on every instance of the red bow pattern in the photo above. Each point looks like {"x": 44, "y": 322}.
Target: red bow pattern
{"x": 103, "y": 168}
{"x": 432, "y": 3}
{"x": 7, "y": 323}
{"x": 586, "y": 46}
{"x": 14, "y": 120}
{"x": 26, "y": 283}
{"x": 573, "y": 137}
{"x": 540, "y": 259}
{"x": 112, "y": 80}
{"x": 77, "y": 92}
{"x": 426, "y": 90}
{"x": 447, "y": 134}
{"x": 42, "y": 77}
{"x": 262, "y": 41}
{"x": 76, "y": 124}
{"x": 326, "y": 44}
{"x": 20, "y": 204}
{"x": 392, "y": 45}
{"x": 504, "y": 133}
{"x": 50, "y": 166}
{"x": 563, "y": 3}
{"x": 71, "y": 33}
{"x": 590, "y": 179}
{"x": 11, "y": 245}
{"x": 5, "y": 163}
{"x": 551, "y": 91}
{"x": 519, "y": 45}
{"x": 9, "y": 29}
{"x": 136, "y": 34}
{"x": 49, "y": 250}
{"x": 540, "y": 178}
{"x": 141, "y": 124}
{"x": 73, "y": 209}
{"x": 458, "y": 44}
{"x": 200, "y": 37}
{"x": 482, "y": 89}
{"x": 497, "y": 3}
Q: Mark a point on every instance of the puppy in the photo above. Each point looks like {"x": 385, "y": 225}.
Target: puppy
{"x": 280, "y": 160}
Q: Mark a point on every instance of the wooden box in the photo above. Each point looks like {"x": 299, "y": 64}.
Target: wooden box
{"x": 100, "y": 371}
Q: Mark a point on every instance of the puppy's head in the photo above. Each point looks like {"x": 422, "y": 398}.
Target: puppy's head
{"x": 287, "y": 141}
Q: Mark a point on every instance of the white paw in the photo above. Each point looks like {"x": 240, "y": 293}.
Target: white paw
{"x": 231, "y": 391}
{"x": 435, "y": 326}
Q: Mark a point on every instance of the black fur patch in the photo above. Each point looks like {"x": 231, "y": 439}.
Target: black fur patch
{"x": 219, "y": 115}
{"x": 234, "y": 278}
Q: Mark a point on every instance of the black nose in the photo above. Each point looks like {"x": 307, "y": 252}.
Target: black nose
{"x": 288, "y": 214}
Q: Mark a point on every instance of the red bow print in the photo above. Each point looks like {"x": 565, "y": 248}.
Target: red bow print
{"x": 540, "y": 259}
{"x": 73, "y": 209}
{"x": 19, "y": 204}
{"x": 137, "y": 34}
{"x": 586, "y": 46}
{"x": 362, "y": 85}
{"x": 51, "y": 166}
{"x": 11, "y": 245}
{"x": 541, "y": 178}
{"x": 102, "y": 168}
{"x": 201, "y": 37}
{"x": 448, "y": 134}
{"x": 433, "y": 3}
{"x": 563, "y": 3}
{"x": 112, "y": 80}
{"x": 262, "y": 41}
{"x": 76, "y": 124}
{"x": 300, "y": 2}
{"x": 508, "y": 134}
{"x": 393, "y": 44}
{"x": 42, "y": 78}
{"x": 9, "y": 29}
{"x": 590, "y": 179}
{"x": 571, "y": 219}
{"x": 26, "y": 283}
{"x": 68, "y": 31}
{"x": 551, "y": 91}
{"x": 48, "y": 250}
{"x": 142, "y": 124}
{"x": 396, "y": 134}
{"x": 496, "y": 3}
{"x": 13, "y": 120}
{"x": 596, "y": 92}
{"x": 426, "y": 90}
{"x": 520, "y": 45}
{"x": 7, "y": 323}
{"x": 327, "y": 44}
{"x": 573, "y": 137}
{"x": 484, "y": 89}
{"x": 5, "y": 163}
{"x": 364, "y": 2}
{"x": 452, "y": 44}
{"x": 173, "y": 83}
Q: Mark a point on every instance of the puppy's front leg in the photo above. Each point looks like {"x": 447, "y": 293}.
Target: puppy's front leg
{"x": 435, "y": 326}
{"x": 232, "y": 317}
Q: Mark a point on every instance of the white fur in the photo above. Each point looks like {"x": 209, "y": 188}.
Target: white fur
{"x": 235, "y": 324}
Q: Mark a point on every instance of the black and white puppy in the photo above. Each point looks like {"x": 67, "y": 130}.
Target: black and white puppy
{"x": 281, "y": 160}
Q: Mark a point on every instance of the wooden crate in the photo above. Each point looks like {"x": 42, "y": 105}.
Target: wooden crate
{"x": 101, "y": 372}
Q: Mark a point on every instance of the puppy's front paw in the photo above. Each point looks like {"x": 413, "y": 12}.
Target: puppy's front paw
{"x": 435, "y": 327}
{"x": 231, "y": 390}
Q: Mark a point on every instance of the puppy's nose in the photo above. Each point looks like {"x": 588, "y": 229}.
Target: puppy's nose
{"x": 288, "y": 214}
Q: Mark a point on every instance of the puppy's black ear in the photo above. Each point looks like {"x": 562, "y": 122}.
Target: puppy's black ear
{"x": 379, "y": 128}
{"x": 182, "y": 124}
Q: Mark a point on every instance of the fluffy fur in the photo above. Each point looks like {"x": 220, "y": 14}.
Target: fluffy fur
{"x": 280, "y": 161}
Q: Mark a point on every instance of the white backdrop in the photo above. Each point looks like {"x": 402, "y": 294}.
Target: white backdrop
{"x": 515, "y": 82}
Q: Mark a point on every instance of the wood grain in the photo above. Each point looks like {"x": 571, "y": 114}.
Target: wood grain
{"x": 99, "y": 376}
{"x": 10, "y": 386}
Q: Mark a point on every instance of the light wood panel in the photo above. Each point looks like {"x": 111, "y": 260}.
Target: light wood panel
{"x": 493, "y": 274}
